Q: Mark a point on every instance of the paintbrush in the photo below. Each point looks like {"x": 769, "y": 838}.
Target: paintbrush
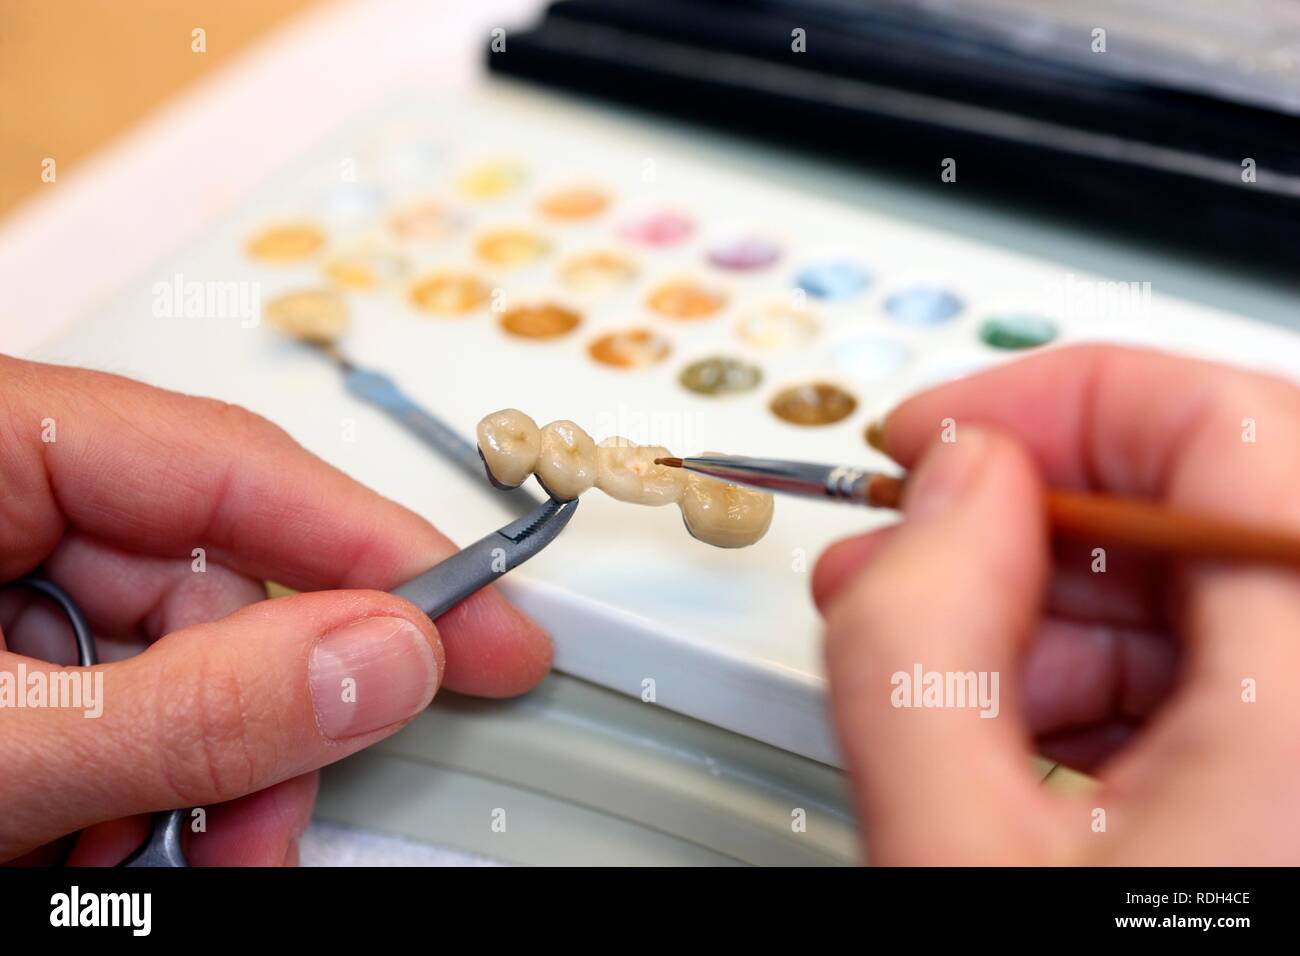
{"x": 1127, "y": 521}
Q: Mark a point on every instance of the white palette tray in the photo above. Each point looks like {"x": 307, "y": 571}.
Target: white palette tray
{"x": 730, "y": 637}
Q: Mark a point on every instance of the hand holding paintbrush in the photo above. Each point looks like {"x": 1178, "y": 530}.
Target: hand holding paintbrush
{"x": 1179, "y": 687}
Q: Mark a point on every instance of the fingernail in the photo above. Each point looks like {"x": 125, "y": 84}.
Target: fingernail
{"x": 369, "y": 674}
{"x": 948, "y": 471}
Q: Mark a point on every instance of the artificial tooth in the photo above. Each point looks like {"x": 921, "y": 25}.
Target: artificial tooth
{"x": 627, "y": 471}
{"x": 723, "y": 515}
{"x": 509, "y": 442}
{"x": 566, "y": 464}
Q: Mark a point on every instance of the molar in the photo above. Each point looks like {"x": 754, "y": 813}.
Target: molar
{"x": 566, "y": 464}
{"x": 723, "y": 515}
{"x": 509, "y": 443}
{"x": 627, "y": 471}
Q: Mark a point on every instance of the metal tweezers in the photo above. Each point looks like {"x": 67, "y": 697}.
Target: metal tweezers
{"x": 449, "y": 582}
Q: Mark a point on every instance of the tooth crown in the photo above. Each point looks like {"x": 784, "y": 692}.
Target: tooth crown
{"x": 566, "y": 466}
{"x": 723, "y": 515}
{"x": 509, "y": 442}
{"x": 567, "y": 462}
{"x": 627, "y": 471}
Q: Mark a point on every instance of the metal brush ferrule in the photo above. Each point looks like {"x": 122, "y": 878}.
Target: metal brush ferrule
{"x": 849, "y": 484}
{"x": 841, "y": 482}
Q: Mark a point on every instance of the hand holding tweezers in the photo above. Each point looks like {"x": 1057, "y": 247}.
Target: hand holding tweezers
{"x": 163, "y": 846}
{"x": 434, "y": 592}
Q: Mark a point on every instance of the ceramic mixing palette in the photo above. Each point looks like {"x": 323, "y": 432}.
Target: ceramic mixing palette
{"x": 487, "y": 258}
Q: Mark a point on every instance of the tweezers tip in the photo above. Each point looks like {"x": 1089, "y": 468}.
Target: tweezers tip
{"x": 544, "y": 516}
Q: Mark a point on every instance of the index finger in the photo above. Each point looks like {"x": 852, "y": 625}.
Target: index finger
{"x": 160, "y": 473}
{"x": 1132, "y": 422}
{"x": 1199, "y": 436}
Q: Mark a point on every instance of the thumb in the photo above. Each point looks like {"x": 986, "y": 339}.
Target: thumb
{"x": 922, "y": 653}
{"x": 215, "y": 711}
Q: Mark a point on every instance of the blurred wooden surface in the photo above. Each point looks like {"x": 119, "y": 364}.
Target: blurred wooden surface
{"x": 75, "y": 73}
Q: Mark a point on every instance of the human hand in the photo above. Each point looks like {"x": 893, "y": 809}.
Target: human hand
{"x": 237, "y": 700}
{"x": 1144, "y": 673}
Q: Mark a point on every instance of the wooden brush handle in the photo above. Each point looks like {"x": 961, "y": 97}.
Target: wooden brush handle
{"x": 1140, "y": 524}
{"x": 884, "y": 491}
{"x": 1157, "y": 528}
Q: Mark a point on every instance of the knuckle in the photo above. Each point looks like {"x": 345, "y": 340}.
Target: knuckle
{"x": 205, "y": 743}
{"x": 239, "y": 421}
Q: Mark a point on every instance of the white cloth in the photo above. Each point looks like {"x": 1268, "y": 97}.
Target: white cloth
{"x": 331, "y": 844}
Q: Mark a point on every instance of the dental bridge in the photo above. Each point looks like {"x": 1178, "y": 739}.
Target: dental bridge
{"x": 567, "y": 462}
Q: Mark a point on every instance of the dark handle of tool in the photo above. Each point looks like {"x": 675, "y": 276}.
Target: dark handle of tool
{"x": 163, "y": 847}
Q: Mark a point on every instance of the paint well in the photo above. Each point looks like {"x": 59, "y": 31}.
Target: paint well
{"x": 449, "y": 293}
{"x": 744, "y": 254}
{"x": 777, "y": 326}
{"x": 630, "y": 348}
{"x": 365, "y": 270}
{"x": 352, "y": 202}
{"x": 833, "y": 280}
{"x": 664, "y": 228}
{"x": 813, "y": 403}
{"x": 1017, "y": 331}
{"x": 720, "y": 375}
{"x": 511, "y": 247}
{"x": 312, "y": 315}
{"x": 491, "y": 180}
{"x": 286, "y": 242}
{"x": 540, "y": 320}
{"x": 686, "y": 299}
{"x": 869, "y": 358}
{"x": 424, "y": 220}
{"x": 923, "y": 305}
{"x": 596, "y": 272}
{"x": 574, "y": 203}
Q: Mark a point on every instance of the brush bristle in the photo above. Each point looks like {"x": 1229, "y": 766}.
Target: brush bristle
{"x": 670, "y": 462}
